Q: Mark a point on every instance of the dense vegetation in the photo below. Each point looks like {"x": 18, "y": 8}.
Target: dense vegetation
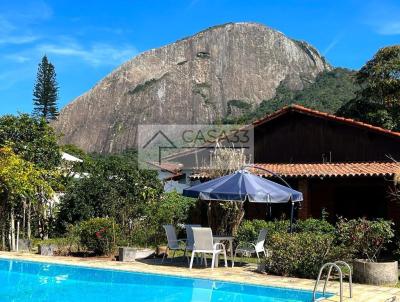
{"x": 99, "y": 235}
{"x": 29, "y": 175}
{"x": 113, "y": 186}
{"x": 32, "y": 139}
{"x": 316, "y": 241}
{"x": 378, "y": 100}
{"x": 328, "y": 93}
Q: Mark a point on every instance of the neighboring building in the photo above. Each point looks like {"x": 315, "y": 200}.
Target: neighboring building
{"x": 67, "y": 164}
{"x": 172, "y": 176}
{"x": 342, "y": 166}
{"x": 70, "y": 158}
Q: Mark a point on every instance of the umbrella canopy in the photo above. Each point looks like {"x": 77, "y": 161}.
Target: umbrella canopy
{"x": 241, "y": 186}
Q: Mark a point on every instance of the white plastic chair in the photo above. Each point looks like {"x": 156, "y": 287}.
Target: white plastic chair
{"x": 190, "y": 239}
{"x": 189, "y": 236}
{"x": 204, "y": 244}
{"x": 174, "y": 244}
{"x": 249, "y": 248}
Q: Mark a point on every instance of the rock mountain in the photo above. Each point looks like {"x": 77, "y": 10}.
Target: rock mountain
{"x": 199, "y": 79}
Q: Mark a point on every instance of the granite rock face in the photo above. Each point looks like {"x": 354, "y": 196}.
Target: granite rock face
{"x": 198, "y": 79}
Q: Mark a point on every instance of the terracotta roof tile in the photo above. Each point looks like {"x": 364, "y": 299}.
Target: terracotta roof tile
{"x": 168, "y": 166}
{"x": 322, "y": 170}
{"x": 304, "y": 110}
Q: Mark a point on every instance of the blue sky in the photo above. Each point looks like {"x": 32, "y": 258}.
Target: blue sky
{"x": 87, "y": 39}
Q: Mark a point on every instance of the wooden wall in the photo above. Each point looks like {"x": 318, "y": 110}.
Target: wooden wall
{"x": 298, "y": 138}
{"x": 349, "y": 197}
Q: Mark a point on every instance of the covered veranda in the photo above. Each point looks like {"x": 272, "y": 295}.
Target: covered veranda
{"x": 339, "y": 189}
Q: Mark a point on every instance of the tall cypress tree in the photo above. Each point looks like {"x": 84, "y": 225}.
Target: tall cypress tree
{"x": 45, "y": 93}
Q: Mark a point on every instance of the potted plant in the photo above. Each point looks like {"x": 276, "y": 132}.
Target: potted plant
{"x": 366, "y": 239}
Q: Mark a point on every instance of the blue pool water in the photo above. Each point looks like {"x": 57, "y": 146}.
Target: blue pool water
{"x": 22, "y": 281}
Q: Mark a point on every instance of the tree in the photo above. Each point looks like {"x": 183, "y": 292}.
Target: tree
{"x": 34, "y": 142}
{"x": 114, "y": 187}
{"x": 169, "y": 208}
{"x": 22, "y": 184}
{"x": 378, "y": 100}
{"x": 225, "y": 217}
{"x": 380, "y": 77}
{"x": 45, "y": 92}
{"x": 33, "y": 139}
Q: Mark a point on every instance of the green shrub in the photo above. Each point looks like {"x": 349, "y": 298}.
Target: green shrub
{"x": 316, "y": 241}
{"x": 302, "y": 254}
{"x": 366, "y": 238}
{"x": 98, "y": 235}
{"x": 249, "y": 229}
{"x": 65, "y": 245}
{"x": 315, "y": 226}
{"x": 171, "y": 208}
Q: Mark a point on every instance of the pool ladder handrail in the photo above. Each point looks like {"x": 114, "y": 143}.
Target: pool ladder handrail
{"x": 335, "y": 265}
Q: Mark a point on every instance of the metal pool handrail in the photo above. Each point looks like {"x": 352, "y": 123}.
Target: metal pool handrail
{"x": 332, "y": 265}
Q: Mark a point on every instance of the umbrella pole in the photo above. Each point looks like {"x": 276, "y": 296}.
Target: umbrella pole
{"x": 291, "y": 216}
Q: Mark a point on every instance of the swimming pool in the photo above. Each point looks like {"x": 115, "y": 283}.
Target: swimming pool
{"x": 22, "y": 281}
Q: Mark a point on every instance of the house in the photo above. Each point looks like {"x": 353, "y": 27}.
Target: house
{"x": 171, "y": 175}
{"x": 341, "y": 166}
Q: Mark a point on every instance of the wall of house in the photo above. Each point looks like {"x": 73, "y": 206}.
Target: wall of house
{"x": 296, "y": 137}
{"x": 349, "y": 197}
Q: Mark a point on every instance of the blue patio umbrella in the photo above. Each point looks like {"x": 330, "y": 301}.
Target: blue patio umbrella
{"x": 244, "y": 186}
